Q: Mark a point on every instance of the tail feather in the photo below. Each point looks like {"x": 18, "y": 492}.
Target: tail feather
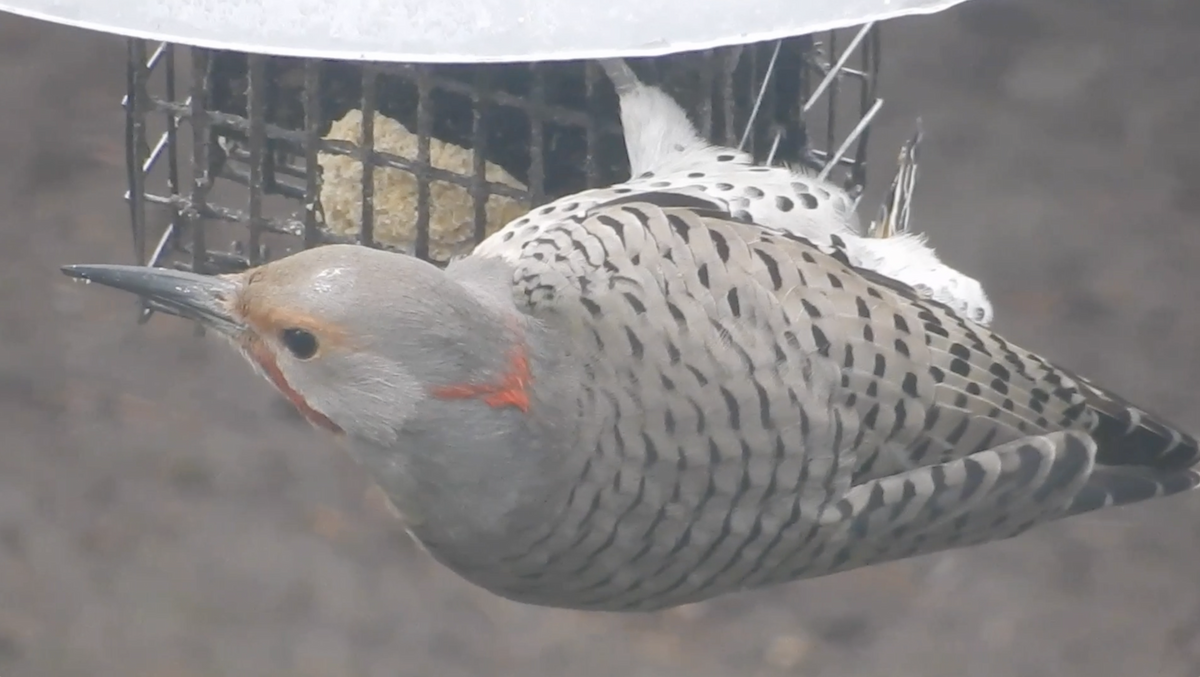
{"x": 1116, "y": 486}
{"x": 1127, "y": 435}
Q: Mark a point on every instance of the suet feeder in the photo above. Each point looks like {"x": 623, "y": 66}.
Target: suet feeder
{"x": 248, "y": 123}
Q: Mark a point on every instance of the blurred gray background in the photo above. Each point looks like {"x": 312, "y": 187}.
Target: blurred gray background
{"x": 159, "y": 519}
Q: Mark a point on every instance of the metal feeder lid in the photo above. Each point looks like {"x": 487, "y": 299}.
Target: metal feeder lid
{"x": 466, "y": 31}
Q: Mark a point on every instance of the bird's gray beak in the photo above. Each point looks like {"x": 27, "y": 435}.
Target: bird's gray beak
{"x": 204, "y": 298}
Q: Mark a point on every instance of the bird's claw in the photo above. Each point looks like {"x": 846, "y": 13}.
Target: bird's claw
{"x": 896, "y": 210}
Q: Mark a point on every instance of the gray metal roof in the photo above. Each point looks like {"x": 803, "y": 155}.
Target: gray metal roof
{"x": 467, "y": 31}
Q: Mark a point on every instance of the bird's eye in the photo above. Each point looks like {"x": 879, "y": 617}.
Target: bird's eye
{"x": 300, "y": 342}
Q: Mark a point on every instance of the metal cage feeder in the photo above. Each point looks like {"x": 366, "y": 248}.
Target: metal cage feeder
{"x": 261, "y": 124}
{"x": 245, "y": 142}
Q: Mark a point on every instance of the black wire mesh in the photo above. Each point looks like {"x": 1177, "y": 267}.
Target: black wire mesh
{"x": 259, "y": 125}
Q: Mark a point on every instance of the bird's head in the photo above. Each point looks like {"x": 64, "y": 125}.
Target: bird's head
{"x": 355, "y": 338}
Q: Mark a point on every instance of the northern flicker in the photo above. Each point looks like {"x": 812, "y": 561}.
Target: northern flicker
{"x": 649, "y": 401}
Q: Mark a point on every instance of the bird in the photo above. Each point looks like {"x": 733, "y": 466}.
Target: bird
{"x": 651, "y": 402}
{"x": 667, "y": 154}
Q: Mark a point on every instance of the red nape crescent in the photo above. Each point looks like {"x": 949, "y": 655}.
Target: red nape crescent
{"x": 511, "y": 390}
